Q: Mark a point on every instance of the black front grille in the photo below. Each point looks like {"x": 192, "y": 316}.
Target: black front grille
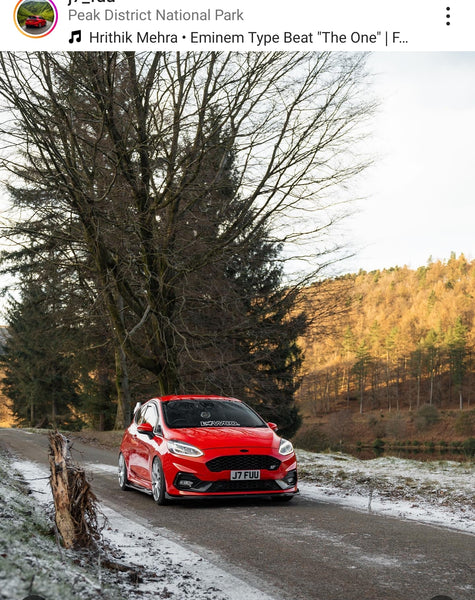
{"x": 247, "y": 462}
{"x": 263, "y": 485}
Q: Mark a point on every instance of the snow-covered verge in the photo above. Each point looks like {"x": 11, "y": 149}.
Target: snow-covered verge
{"x": 130, "y": 566}
{"x": 437, "y": 492}
{"x": 30, "y": 560}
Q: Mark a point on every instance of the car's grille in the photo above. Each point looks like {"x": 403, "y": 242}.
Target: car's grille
{"x": 248, "y": 462}
{"x": 263, "y": 485}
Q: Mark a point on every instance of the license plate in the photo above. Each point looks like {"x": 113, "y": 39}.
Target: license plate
{"x": 245, "y": 475}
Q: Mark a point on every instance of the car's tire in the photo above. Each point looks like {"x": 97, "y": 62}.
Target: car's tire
{"x": 122, "y": 472}
{"x": 157, "y": 478}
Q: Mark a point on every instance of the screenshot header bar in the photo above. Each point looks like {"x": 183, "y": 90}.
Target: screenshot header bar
{"x": 241, "y": 25}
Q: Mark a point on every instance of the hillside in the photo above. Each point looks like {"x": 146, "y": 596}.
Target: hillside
{"x": 42, "y": 9}
{"x": 393, "y": 341}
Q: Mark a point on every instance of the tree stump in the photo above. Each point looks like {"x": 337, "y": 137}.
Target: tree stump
{"x": 74, "y": 501}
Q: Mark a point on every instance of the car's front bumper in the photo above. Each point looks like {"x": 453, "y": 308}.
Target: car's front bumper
{"x": 192, "y": 477}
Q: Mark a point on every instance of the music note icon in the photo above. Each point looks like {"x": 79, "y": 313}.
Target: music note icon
{"x": 75, "y": 36}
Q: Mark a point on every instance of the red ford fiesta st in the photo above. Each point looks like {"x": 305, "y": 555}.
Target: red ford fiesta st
{"x": 196, "y": 446}
{"x": 35, "y": 21}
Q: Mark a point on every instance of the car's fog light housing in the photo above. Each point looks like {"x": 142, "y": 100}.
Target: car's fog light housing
{"x": 289, "y": 481}
{"x": 185, "y": 481}
{"x": 291, "y": 477}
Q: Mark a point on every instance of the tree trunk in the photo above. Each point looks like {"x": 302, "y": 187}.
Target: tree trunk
{"x": 58, "y": 460}
{"x": 361, "y": 395}
{"x": 123, "y": 390}
{"x": 74, "y": 502}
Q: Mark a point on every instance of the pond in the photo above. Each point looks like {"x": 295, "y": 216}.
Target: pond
{"x": 424, "y": 451}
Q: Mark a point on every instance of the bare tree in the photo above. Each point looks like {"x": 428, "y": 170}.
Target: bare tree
{"x": 121, "y": 145}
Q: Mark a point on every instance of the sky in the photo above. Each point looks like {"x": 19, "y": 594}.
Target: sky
{"x": 419, "y": 193}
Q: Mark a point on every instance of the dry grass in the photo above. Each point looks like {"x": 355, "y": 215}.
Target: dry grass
{"x": 101, "y": 439}
{"x": 351, "y": 428}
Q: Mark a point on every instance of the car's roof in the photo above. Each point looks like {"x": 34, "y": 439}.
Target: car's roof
{"x": 195, "y": 397}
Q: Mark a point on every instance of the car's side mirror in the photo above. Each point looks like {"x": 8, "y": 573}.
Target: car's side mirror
{"x": 273, "y": 426}
{"x": 146, "y": 429}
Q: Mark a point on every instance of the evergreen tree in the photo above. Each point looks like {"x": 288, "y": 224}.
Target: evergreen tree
{"x": 361, "y": 368}
{"x": 431, "y": 359}
{"x": 416, "y": 364}
{"x": 457, "y": 348}
{"x": 238, "y": 335}
{"x": 38, "y": 377}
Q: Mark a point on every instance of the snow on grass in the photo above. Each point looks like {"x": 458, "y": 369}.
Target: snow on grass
{"x": 30, "y": 559}
{"x": 438, "y": 492}
{"x": 159, "y": 567}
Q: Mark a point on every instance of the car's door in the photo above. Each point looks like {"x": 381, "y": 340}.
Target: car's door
{"x": 155, "y": 445}
{"x": 142, "y": 440}
{"x": 137, "y": 451}
{"x": 146, "y": 444}
{"x": 132, "y": 450}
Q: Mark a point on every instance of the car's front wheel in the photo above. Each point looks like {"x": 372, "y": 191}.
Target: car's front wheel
{"x": 158, "y": 482}
{"x": 123, "y": 481}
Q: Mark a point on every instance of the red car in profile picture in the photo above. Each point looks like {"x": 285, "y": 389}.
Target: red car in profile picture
{"x": 193, "y": 446}
{"x": 35, "y": 21}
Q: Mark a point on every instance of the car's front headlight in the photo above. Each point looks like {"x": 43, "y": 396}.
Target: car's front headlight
{"x": 285, "y": 447}
{"x": 183, "y": 449}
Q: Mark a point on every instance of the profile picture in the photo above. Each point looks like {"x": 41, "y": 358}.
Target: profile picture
{"x": 35, "y": 19}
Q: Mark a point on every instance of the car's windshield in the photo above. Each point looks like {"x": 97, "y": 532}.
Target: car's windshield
{"x": 209, "y": 413}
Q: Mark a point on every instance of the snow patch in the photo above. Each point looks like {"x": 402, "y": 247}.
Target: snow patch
{"x": 100, "y": 468}
{"x": 438, "y": 493}
{"x": 167, "y": 567}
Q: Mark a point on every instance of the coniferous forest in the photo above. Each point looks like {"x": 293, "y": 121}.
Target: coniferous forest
{"x": 398, "y": 339}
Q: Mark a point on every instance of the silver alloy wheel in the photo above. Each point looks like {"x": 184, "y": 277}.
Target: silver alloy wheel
{"x": 156, "y": 480}
{"x": 122, "y": 472}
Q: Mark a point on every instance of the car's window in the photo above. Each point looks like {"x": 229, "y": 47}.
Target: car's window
{"x": 148, "y": 414}
{"x": 152, "y": 416}
{"x": 138, "y": 416}
{"x": 209, "y": 413}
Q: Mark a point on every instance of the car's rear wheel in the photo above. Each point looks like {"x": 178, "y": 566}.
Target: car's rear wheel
{"x": 158, "y": 482}
{"x": 123, "y": 481}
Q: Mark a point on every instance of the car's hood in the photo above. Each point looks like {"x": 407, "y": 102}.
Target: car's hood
{"x": 207, "y": 438}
